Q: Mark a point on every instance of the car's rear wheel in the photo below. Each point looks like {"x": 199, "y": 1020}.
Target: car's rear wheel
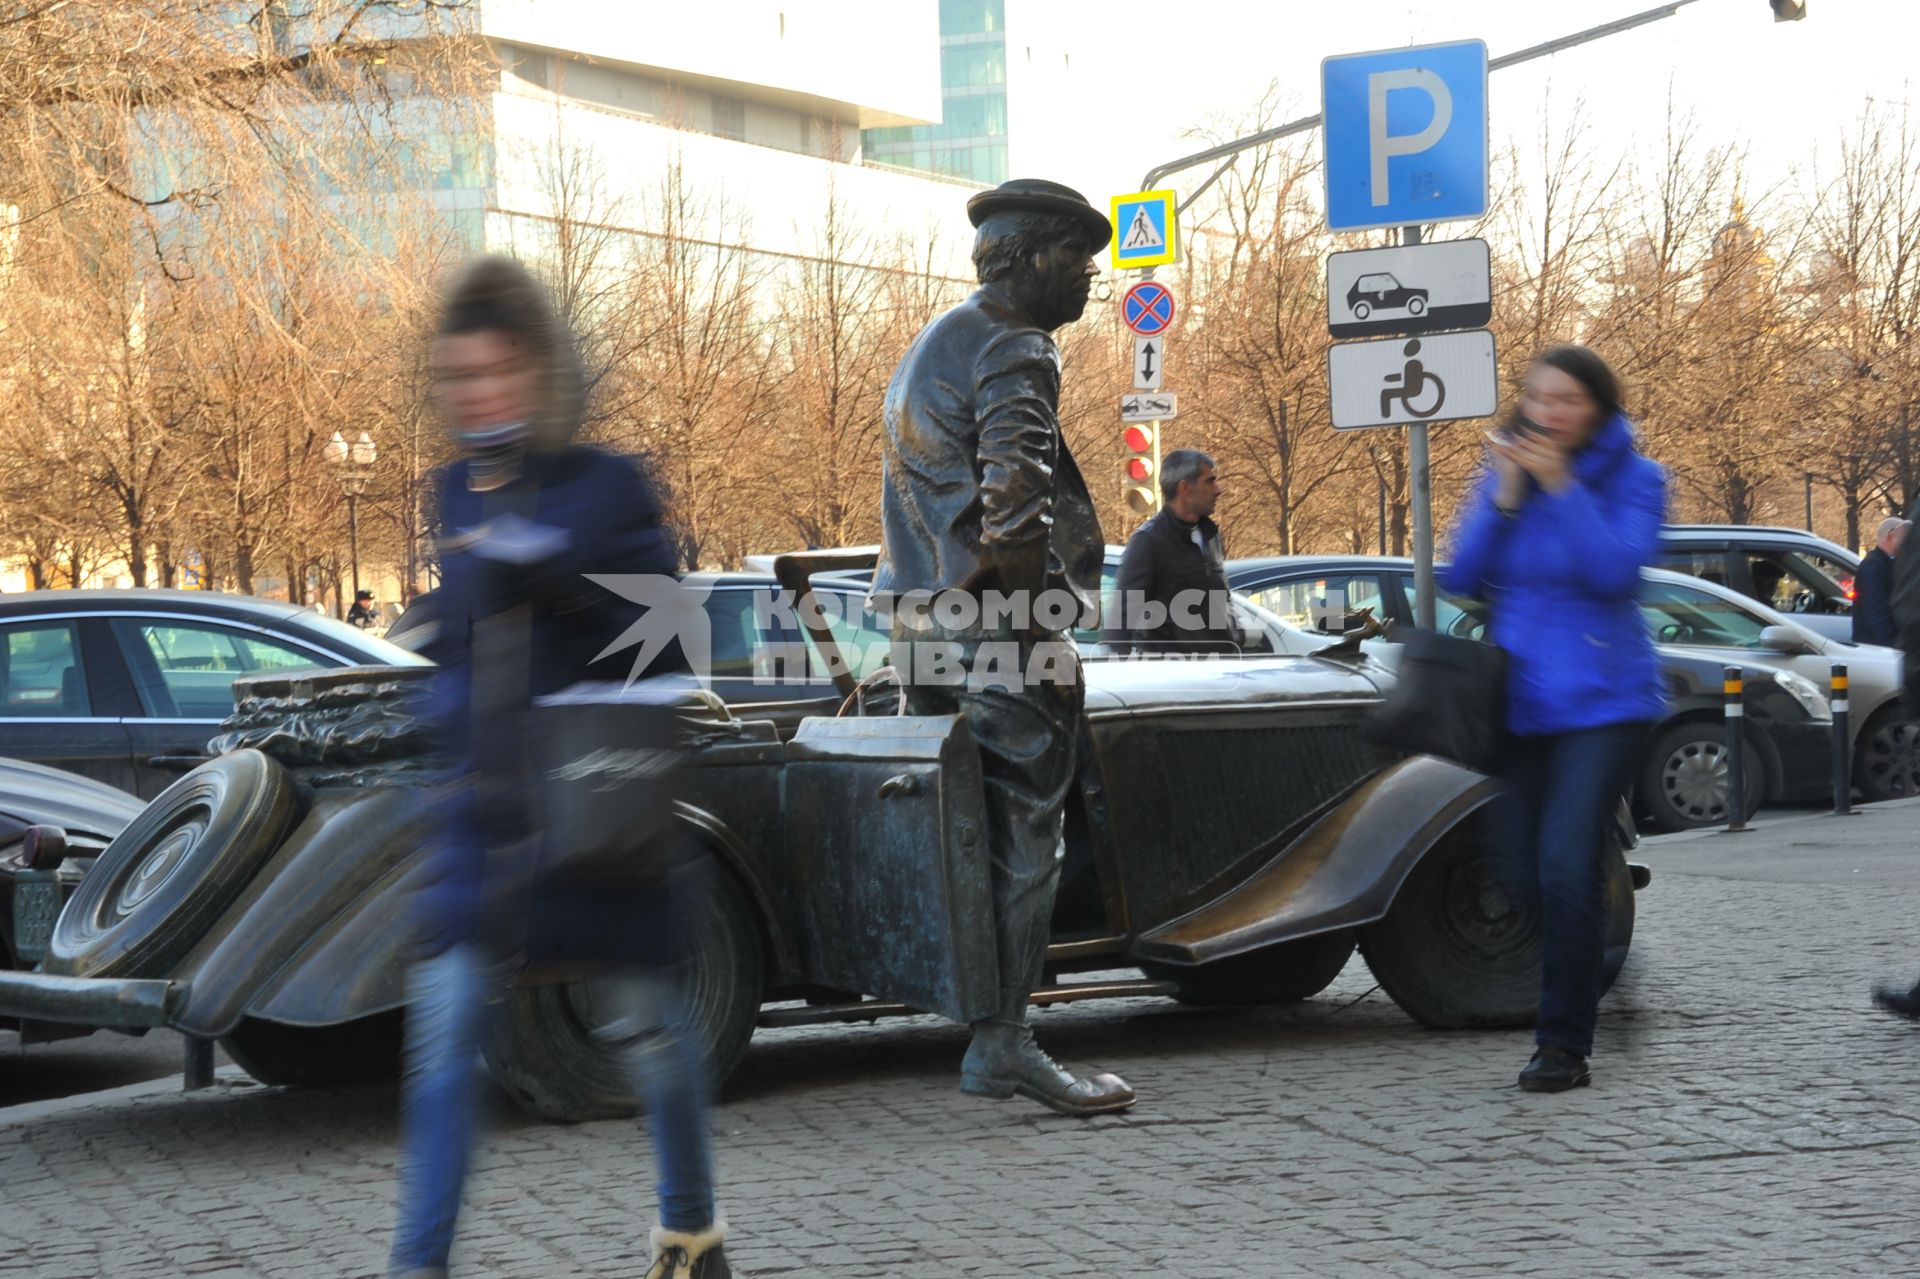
{"x": 354, "y": 1052}
{"x": 1887, "y": 762}
{"x": 175, "y": 869}
{"x": 1455, "y": 951}
{"x": 544, "y": 1052}
{"x": 1361, "y": 310}
{"x": 1683, "y": 784}
{"x": 1272, "y": 975}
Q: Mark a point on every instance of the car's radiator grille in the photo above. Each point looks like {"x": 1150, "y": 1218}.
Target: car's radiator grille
{"x": 1232, "y": 790}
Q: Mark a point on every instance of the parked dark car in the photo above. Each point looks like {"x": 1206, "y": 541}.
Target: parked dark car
{"x": 1787, "y": 569}
{"x": 89, "y": 812}
{"x": 1682, "y": 781}
{"x": 1380, "y": 291}
{"x": 125, "y": 687}
{"x": 1232, "y": 833}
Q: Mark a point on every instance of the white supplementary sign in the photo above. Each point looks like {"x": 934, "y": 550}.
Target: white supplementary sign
{"x": 1417, "y": 288}
{"x": 1438, "y": 377}
{"x": 1149, "y": 406}
{"x": 1149, "y": 355}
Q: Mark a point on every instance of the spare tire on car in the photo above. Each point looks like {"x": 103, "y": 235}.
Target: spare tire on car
{"x": 164, "y": 880}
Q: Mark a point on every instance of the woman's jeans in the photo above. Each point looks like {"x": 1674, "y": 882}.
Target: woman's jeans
{"x": 1550, "y": 825}
{"x": 448, "y": 1005}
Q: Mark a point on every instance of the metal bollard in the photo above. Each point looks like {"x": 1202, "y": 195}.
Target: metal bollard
{"x": 1842, "y": 749}
{"x": 1734, "y": 686}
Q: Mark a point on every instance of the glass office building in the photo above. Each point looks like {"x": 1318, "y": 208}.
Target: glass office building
{"x": 970, "y": 142}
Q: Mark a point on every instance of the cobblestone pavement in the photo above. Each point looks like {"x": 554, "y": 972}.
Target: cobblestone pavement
{"x": 1751, "y": 1115}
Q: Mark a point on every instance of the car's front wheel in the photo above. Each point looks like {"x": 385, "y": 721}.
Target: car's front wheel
{"x": 1683, "y": 783}
{"x": 1276, "y": 974}
{"x": 1416, "y": 306}
{"x": 544, "y": 1050}
{"x": 1887, "y": 761}
{"x": 1456, "y": 951}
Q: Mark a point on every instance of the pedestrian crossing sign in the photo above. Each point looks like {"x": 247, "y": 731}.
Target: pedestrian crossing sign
{"x": 1145, "y": 230}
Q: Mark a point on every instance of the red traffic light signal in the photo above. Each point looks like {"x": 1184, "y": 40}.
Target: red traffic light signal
{"x": 1142, "y": 483}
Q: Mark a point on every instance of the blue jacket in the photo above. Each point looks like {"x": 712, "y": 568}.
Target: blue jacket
{"x": 1563, "y": 578}
{"x": 612, "y": 523}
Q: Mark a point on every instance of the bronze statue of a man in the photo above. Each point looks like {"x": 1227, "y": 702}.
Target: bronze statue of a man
{"x": 985, "y": 513}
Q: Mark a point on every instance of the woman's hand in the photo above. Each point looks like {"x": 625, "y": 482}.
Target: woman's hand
{"x": 1510, "y": 480}
{"x": 1539, "y": 457}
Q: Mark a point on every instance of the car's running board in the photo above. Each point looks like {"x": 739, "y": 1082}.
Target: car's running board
{"x": 875, "y": 1009}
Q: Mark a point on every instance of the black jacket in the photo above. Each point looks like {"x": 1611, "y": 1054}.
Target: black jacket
{"x": 1182, "y": 586}
{"x": 1873, "y": 600}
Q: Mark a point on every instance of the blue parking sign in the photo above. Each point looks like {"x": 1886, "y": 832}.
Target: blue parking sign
{"x": 1406, "y": 135}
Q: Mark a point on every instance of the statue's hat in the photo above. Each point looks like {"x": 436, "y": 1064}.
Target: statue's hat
{"x": 1037, "y": 195}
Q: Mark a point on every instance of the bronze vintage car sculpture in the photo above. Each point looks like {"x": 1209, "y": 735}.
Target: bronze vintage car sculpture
{"x": 1232, "y": 833}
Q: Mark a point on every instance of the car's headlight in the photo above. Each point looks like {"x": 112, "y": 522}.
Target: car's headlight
{"x": 1807, "y": 693}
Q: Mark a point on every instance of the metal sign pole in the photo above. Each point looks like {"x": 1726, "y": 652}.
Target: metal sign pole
{"x": 1420, "y": 498}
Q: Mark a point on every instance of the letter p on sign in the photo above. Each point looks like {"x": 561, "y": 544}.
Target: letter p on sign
{"x": 1406, "y": 135}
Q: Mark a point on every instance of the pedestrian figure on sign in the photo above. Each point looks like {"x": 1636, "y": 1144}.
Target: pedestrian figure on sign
{"x": 1565, "y": 517}
{"x": 526, "y": 515}
{"x": 1873, "y": 586}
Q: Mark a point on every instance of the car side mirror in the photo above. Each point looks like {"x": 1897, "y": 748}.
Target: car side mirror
{"x": 1789, "y": 641}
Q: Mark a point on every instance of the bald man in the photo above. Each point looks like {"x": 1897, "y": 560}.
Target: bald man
{"x": 1873, "y": 586}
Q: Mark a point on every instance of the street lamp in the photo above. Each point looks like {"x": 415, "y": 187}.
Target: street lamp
{"x": 354, "y": 463}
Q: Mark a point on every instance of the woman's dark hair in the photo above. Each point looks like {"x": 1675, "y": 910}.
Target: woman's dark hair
{"x": 1590, "y": 371}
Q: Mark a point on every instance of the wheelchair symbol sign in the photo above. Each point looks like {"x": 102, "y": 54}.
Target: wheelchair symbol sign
{"x": 1438, "y": 377}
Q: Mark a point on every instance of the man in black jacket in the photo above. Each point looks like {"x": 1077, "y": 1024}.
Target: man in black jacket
{"x": 1905, "y": 606}
{"x": 1873, "y": 621}
{"x": 1171, "y": 596}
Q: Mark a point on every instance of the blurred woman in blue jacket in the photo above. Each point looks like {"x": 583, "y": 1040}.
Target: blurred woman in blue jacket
{"x": 526, "y": 515}
{"x": 1554, "y": 539}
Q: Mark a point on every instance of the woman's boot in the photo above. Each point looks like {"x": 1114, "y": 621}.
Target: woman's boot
{"x": 696, "y": 1254}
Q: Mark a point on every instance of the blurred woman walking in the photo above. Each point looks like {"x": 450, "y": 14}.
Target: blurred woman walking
{"x": 1554, "y": 539}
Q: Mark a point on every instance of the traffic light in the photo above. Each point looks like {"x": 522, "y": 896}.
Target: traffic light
{"x": 1142, "y": 484}
{"x": 1789, "y": 10}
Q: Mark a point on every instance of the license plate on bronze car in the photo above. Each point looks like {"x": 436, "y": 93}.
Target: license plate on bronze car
{"x": 36, "y": 904}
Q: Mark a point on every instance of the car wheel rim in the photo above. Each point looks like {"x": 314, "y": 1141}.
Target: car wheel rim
{"x": 1482, "y": 917}
{"x": 1893, "y": 758}
{"x": 1694, "y": 780}
{"x": 171, "y": 852}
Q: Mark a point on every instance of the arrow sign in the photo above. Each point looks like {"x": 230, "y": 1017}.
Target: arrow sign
{"x": 1156, "y": 406}
{"x": 1149, "y": 354}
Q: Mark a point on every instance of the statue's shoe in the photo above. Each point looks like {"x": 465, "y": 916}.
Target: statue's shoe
{"x": 1000, "y": 1066}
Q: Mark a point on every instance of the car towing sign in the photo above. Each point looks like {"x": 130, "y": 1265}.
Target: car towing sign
{"x": 1416, "y": 288}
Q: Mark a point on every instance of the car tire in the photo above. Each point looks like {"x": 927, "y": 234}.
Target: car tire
{"x": 1278, "y": 974}
{"x": 175, "y": 869}
{"x": 1683, "y": 781}
{"x": 543, "y": 1053}
{"x": 1887, "y": 760}
{"x": 1361, "y": 310}
{"x": 1416, "y": 306}
{"x": 1452, "y": 951}
{"x": 354, "y": 1052}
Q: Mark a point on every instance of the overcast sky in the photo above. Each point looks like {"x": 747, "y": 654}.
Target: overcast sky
{"x": 1162, "y": 67}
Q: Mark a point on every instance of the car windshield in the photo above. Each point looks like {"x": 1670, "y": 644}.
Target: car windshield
{"x": 351, "y": 641}
{"x": 1691, "y": 617}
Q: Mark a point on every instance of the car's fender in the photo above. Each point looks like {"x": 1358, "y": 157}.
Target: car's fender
{"x": 328, "y": 940}
{"x": 1342, "y": 871}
